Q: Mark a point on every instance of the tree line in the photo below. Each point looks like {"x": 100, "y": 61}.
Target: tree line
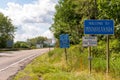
{"x": 70, "y": 16}
{"x": 31, "y": 43}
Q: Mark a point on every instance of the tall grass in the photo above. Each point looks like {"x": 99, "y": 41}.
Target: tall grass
{"x": 53, "y": 66}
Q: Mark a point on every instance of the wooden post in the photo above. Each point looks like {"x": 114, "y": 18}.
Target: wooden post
{"x": 66, "y": 54}
{"x": 107, "y": 56}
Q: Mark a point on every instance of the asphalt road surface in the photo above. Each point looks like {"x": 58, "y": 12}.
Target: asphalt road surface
{"x": 12, "y": 62}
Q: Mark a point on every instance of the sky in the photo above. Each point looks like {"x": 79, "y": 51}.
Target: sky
{"x": 31, "y": 17}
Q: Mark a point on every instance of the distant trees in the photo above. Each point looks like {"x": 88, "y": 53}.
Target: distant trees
{"x": 21, "y": 44}
{"x": 31, "y": 43}
{"x": 70, "y": 16}
{"x": 6, "y": 30}
{"x": 37, "y": 40}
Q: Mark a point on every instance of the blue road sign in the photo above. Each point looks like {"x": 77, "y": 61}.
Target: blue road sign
{"x": 9, "y": 43}
{"x": 98, "y": 27}
{"x": 64, "y": 41}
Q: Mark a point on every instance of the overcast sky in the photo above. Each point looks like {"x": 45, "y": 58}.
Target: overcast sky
{"x": 31, "y": 17}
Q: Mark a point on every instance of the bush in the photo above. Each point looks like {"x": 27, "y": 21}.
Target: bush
{"x": 115, "y": 46}
{"x": 33, "y": 47}
{"x": 21, "y": 44}
{"x": 99, "y": 50}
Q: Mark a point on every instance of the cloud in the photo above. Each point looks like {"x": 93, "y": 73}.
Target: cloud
{"x": 33, "y": 19}
{"x": 48, "y": 34}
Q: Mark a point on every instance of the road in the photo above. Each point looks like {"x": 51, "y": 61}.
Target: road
{"x": 12, "y": 62}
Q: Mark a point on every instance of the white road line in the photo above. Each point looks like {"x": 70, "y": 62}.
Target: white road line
{"x": 18, "y": 62}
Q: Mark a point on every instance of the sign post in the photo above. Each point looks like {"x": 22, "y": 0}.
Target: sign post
{"x": 64, "y": 43}
{"x": 89, "y": 41}
{"x": 49, "y": 42}
{"x": 90, "y": 59}
{"x": 107, "y": 56}
{"x": 105, "y": 27}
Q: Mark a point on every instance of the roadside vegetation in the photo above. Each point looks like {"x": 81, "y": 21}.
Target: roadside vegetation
{"x": 69, "y": 19}
{"x": 71, "y": 14}
{"x": 53, "y": 66}
{"x": 7, "y": 30}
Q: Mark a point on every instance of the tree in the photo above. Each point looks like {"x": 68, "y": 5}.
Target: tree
{"x": 6, "y": 30}
{"x": 69, "y": 18}
{"x": 65, "y": 21}
{"x": 110, "y": 9}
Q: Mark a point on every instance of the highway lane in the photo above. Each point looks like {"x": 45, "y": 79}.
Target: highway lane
{"x": 11, "y": 63}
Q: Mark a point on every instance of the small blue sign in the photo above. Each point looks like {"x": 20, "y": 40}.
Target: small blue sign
{"x": 64, "y": 41}
{"x": 98, "y": 27}
{"x": 9, "y": 43}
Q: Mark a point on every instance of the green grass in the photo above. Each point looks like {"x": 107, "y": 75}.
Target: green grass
{"x": 41, "y": 67}
{"x": 52, "y": 66}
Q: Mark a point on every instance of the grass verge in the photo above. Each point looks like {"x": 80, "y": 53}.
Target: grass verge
{"x": 52, "y": 66}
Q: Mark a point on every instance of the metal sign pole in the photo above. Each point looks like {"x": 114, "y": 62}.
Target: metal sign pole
{"x": 107, "y": 56}
{"x": 90, "y": 59}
